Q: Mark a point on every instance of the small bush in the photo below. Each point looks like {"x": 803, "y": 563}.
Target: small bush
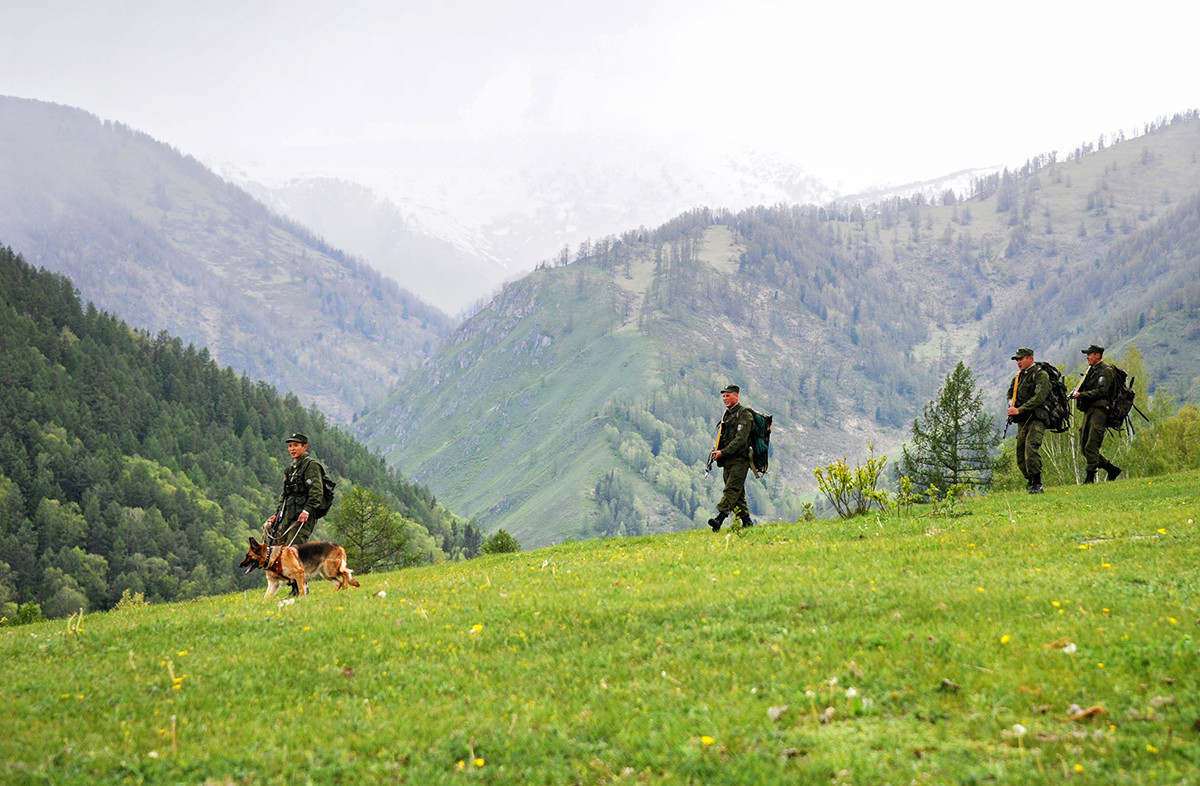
{"x": 130, "y": 601}
{"x": 852, "y": 492}
{"x": 501, "y": 543}
{"x": 27, "y": 613}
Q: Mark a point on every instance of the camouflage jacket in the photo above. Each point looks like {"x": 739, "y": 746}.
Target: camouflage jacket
{"x": 737, "y": 425}
{"x": 1033, "y": 390}
{"x": 303, "y": 487}
{"x": 1097, "y": 387}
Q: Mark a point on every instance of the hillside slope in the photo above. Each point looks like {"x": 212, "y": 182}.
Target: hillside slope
{"x": 581, "y": 401}
{"x": 938, "y": 649}
{"x": 152, "y": 235}
{"x": 840, "y": 320}
{"x": 136, "y": 463}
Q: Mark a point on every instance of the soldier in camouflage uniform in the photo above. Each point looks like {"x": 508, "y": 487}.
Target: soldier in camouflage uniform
{"x": 732, "y": 454}
{"x": 303, "y": 489}
{"x": 1027, "y": 396}
{"x": 1091, "y": 398}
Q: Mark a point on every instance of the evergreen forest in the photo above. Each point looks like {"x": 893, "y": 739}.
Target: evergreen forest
{"x": 133, "y": 464}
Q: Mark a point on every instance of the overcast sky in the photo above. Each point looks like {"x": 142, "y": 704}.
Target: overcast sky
{"x": 857, "y": 92}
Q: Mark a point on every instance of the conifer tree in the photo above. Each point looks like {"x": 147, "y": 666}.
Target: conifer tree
{"x": 955, "y": 440}
{"x": 374, "y": 536}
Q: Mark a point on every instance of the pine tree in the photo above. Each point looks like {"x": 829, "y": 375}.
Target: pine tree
{"x": 954, "y": 442}
{"x": 374, "y": 536}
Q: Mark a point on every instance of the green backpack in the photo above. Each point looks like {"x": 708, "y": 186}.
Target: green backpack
{"x": 327, "y": 486}
{"x": 1058, "y": 406}
{"x": 1120, "y": 404}
{"x": 760, "y": 443}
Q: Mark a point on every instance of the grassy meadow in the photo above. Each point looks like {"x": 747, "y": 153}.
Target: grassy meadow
{"x": 1010, "y": 639}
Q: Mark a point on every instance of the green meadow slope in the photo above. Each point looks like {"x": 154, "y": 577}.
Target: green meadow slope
{"x": 1008, "y": 639}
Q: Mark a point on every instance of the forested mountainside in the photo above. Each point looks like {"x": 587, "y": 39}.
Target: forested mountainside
{"x": 581, "y": 402}
{"x": 154, "y": 236}
{"x": 134, "y": 462}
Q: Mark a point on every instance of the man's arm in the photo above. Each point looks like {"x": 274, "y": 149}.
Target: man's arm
{"x": 1097, "y": 385}
{"x": 316, "y": 488}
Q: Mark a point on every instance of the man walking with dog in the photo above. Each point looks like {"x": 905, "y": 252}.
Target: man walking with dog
{"x": 303, "y": 492}
{"x": 732, "y": 454}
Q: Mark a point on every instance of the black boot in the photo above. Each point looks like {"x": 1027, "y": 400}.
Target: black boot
{"x": 1091, "y": 476}
{"x": 747, "y": 522}
{"x": 716, "y": 522}
{"x": 1035, "y": 484}
{"x": 1113, "y": 470}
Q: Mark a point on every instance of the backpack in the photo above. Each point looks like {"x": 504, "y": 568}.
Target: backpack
{"x": 760, "y": 443}
{"x": 1057, "y": 406}
{"x": 327, "y": 486}
{"x": 1120, "y": 403}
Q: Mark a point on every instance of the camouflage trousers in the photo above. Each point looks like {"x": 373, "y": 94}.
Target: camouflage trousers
{"x": 1091, "y": 437}
{"x": 1029, "y": 446}
{"x": 733, "y": 501}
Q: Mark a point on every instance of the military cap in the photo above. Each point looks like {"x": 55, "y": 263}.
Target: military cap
{"x": 1093, "y": 349}
{"x": 1023, "y": 352}
{"x": 298, "y": 437}
{"x": 731, "y": 389}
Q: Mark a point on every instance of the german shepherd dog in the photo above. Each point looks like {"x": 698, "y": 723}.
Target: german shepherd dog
{"x": 296, "y": 564}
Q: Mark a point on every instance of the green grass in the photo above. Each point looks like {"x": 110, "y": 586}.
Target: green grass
{"x": 693, "y": 657}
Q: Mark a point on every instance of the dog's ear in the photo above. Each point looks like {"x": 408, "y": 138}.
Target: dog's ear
{"x": 253, "y": 542}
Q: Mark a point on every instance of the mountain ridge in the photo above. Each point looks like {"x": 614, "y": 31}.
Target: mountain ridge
{"x": 156, "y": 237}
{"x": 839, "y": 318}
{"x": 541, "y": 196}
{"x": 842, "y": 320}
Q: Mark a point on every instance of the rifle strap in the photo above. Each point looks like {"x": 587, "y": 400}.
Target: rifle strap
{"x": 1083, "y": 379}
{"x": 1016, "y": 382}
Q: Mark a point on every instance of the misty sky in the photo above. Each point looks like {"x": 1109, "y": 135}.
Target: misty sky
{"x": 857, "y": 93}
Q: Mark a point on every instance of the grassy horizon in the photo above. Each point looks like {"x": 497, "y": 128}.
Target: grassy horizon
{"x": 1015, "y": 639}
